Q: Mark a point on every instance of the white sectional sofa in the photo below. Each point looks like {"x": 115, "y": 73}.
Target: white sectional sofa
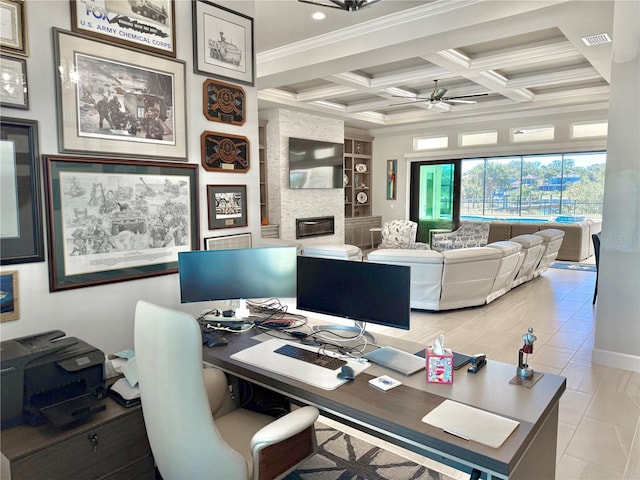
{"x": 475, "y": 276}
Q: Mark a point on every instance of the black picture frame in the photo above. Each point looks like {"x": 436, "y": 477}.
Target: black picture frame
{"x": 215, "y": 26}
{"x": 22, "y": 238}
{"x": 111, "y": 220}
{"x": 227, "y": 205}
{"x": 111, "y": 98}
{"x": 144, "y": 25}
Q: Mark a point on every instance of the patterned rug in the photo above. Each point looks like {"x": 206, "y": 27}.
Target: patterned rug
{"x": 583, "y": 267}
{"x": 343, "y": 457}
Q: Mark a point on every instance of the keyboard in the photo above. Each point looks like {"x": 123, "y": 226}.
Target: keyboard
{"x": 332, "y": 363}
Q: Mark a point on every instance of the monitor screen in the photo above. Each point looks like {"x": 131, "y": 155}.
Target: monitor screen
{"x": 362, "y": 291}
{"x": 315, "y": 164}
{"x": 232, "y": 274}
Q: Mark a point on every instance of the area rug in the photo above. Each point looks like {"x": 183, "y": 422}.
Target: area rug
{"x": 344, "y": 457}
{"x": 583, "y": 267}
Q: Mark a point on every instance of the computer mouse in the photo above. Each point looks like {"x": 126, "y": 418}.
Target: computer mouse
{"x": 346, "y": 373}
{"x": 218, "y": 341}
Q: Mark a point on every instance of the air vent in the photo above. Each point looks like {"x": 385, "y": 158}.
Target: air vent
{"x": 599, "y": 39}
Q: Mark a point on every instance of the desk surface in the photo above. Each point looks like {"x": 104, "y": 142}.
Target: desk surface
{"x": 396, "y": 415}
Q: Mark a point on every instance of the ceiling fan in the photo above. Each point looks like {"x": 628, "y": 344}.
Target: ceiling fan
{"x": 438, "y": 97}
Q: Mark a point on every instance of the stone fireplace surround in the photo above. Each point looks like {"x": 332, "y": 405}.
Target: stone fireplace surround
{"x": 287, "y": 205}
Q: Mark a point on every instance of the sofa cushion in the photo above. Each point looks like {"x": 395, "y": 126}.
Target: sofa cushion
{"x": 507, "y": 247}
{"x": 528, "y": 240}
{"x": 337, "y": 251}
{"x": 473, "y": 254}
{"x": 405, "y": 255}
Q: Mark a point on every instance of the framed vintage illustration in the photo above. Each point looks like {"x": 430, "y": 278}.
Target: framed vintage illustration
{"x": 227, "y": 206}
{"x": 222, "y": 43}
{"x": 13, "y": 34}
{"x": 13, "y": 82}
{"x": 144, "y": 24}
{"x": 112, "y": 220}
{"x": 223, "y": 102}
{"x": 222, "y": 152}
{"x": 9, "y": 298}
{"x": 21, "y": 238}
{"x": 228, "y": 242}
{"x": 116, "y": 101}
{"x": 392, "y": 173}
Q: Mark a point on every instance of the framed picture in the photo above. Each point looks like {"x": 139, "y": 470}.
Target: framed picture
{"x": 13, "y": 82}
{"x": 113, "y": 220}
{"x": 13, "y": 34}
{"x": 392, "y": 173}
{"x": 21, "y": 238}
{"x": 224, "y": 152}
{"x": 9, "y": 299}
{"x": 144, "y": 24}
{"x": 222, "y": 43}
{"x": 223, "y": 102}
{"x": 228, "y": 242}
{"x": 118, "y": 101}
{"x": 227, "y": 206}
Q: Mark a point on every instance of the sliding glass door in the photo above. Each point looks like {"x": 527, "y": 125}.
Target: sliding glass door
{"x": 434, "y": 196}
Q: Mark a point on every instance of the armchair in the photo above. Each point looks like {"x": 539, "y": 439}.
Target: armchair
{"x": 469, "y": 234}
{"x": 401, "y": 234}
{"x": 193, "y": 425}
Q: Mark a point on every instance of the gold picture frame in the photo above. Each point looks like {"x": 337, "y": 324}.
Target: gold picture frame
{"x": 14, "y": 27}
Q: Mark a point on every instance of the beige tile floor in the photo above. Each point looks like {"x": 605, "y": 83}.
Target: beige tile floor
{"x": 599, "y": 421}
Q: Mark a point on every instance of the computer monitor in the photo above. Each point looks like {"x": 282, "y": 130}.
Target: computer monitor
{"x": 207, "y": 275}
{"x": 361, "y": 291}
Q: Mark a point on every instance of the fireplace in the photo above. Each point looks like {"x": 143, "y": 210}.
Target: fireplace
{"x": 314, "y": 227}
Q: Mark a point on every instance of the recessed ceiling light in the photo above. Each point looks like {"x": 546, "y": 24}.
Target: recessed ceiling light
{"x": 598, "y": 39}
{"x": 318, "y": 16}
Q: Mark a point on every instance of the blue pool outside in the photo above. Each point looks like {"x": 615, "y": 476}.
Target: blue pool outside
{"x": 558, "y": 219}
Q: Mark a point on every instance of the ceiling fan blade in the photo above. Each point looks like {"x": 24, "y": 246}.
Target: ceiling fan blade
{"x": 466, "y": 96}
{"x": 456, "y": 100}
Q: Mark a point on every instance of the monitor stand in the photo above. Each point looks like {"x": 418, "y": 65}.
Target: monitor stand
{"x": 358, "y": 328}
{"x": 238, "y": 307}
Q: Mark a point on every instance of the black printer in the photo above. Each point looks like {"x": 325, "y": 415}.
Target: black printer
{"x": 49, "y": 378}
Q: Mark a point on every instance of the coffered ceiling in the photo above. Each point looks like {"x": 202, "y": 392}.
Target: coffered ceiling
{"x": 375, "y": 67}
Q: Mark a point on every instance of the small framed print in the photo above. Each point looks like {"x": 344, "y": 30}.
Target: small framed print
{"x": 9, "y": 305}
{"x": 224, "y": 152}
{"x": 227, "y": 206}
{"x": 142, "y": 24}
{"x": 222, "y": 43}
{"x": 13, "y": 33}
{"x": 13, "y": 82}
{"x": 223, "y": 102}
{"x": 392, "y": 172}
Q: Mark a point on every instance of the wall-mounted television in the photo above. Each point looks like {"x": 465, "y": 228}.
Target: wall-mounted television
{"x": 315, "y": 164}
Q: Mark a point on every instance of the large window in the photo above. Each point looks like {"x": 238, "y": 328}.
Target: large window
{"x": 536, "y": 186}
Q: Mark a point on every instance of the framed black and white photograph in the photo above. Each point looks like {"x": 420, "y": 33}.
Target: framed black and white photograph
{"x": 13, "y": 82}
{"x": 222, "y": 43}
{"x": 113, "y": 220}
{"x": 228, "y": 242}
{"x": 144, "y": 24}
{"x": 9, "y": 298}
{"x": 117, "y": 101}
{"x": 13, "y": 33}
{"x": 227, "y": 206}
{"x": 21, "y": 233}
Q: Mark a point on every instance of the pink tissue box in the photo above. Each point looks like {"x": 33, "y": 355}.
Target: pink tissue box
{"x": 439, "y": 367}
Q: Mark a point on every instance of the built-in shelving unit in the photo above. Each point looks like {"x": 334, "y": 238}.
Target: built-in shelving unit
{"x": 264, "y": 198}
{"x": 358, "y": 177}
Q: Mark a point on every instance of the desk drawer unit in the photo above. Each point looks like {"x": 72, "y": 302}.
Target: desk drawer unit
{"x": 116, "y": 449}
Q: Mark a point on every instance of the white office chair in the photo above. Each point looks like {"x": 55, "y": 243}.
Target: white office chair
{"x": 193, "y": 426}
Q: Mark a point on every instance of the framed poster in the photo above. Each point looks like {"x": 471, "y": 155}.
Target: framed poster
{"x": 9, "y": 298}
{"x": 144, "y": 24}
{"x": 13, "y": 33}
{"x": 392, "y": 173}
{"x": 224, "y": 152}
{"x": 21, "y": 238}
{"x": 227, "y": 206}
{"x": 223, "y": 102}
{"x": 113, "y": 220}
{"x": 13, "y": 82}
{"x": 118, "y": 101}
{"x": 222, "y": 43}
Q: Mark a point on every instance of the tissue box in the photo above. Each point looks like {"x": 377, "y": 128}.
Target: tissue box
{"x": 439, "y": 367}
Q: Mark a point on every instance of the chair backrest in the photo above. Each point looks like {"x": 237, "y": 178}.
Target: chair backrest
{"x": 399, "y": 234}
{"x": 596, "y": 247}
{"x": 183, "y": 437}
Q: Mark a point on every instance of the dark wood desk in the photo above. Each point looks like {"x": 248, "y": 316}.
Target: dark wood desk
{"x": 396, "y": 415}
